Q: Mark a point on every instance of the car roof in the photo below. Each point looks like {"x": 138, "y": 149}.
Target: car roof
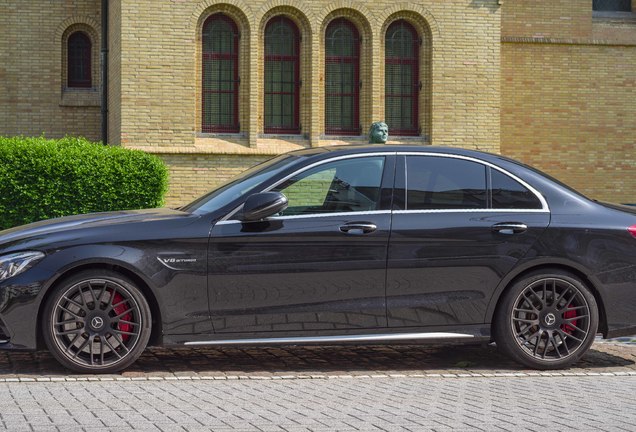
{"x": 365, "y": 148}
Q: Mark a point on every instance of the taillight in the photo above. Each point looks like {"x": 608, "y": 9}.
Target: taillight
{"x": 632, "y": 230}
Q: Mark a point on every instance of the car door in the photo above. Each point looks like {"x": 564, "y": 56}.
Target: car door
{"x": 459, "y": 226}
{"x": 320, "y": 265}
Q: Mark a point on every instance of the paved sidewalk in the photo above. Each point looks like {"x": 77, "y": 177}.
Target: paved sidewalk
{"x": 383, "y": 404}
{"x": 376, "y": 388}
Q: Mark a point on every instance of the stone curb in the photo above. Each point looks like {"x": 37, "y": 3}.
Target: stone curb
{"x": 316, "y": 377}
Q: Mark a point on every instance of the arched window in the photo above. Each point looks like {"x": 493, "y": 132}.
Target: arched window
{"x": 79, "y": 60}
{"x": 220, "y": 75}
{"x": 402, "y": 81}
{"x": 342, "y": 78}
{"x": 282, "y": 76}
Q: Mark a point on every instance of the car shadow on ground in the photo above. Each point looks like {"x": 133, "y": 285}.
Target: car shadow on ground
{"x": 321, "y": 360}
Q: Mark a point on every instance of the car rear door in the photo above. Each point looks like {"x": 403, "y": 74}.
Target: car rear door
{"x": 459, "y": 226}
{"x": 320, "y": 265}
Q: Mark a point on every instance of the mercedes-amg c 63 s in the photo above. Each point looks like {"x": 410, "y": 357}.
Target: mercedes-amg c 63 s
{"x": 367, "y": 244}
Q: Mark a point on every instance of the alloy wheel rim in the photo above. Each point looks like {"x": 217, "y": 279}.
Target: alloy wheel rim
{"x": 96, "y": 323}
{"x": 550, "y": 319}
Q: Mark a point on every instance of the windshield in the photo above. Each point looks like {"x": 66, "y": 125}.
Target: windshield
{"x": 239, "y": 185}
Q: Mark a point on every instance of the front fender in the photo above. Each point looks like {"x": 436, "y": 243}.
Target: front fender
{"x": 22, "y": 296}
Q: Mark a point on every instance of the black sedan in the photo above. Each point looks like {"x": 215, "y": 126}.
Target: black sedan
{"x": 366, "y": 244}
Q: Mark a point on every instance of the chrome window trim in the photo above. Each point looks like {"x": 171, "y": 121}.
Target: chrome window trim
{"x": 303, "y": 169}
{"x": 471, "y": 211}
{"x": 312, "y": 215}
{"x": 544, "y": 204}
{"x": 342, "y": 338}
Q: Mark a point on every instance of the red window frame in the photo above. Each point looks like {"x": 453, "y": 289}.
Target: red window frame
{"x": 78, "y": 65}
{"x": 332, "y": 127}
{"x": 414, "y": 63}
{"x": 208, "y": 94}
{"x": 295, "y": 60}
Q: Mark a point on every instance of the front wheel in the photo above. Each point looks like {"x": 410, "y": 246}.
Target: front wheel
{"x": 96, "y": 321}
{"x": 546, "y": 320}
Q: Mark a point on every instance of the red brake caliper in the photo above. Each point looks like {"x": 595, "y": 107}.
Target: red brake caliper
{"x": 119, "y": 309}
{"x": 568, "y": 328}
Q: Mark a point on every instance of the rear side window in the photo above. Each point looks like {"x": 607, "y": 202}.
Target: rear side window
{"x": 439, "y": 183}
{"x": 507, "y": 193}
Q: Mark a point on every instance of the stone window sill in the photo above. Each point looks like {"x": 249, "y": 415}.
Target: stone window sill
{"x": 72, "y": 97}
{"x": 614, "y": 17}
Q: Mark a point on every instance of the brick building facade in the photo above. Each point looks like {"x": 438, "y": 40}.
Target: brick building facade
{"x": 215, "y": 87}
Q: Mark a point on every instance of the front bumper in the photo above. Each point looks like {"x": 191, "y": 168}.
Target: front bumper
{"x": 20, "y": 300}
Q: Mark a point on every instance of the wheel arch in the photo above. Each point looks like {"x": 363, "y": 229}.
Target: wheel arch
{"x": 156, "y": 332}
{"x": 592, "y": 283}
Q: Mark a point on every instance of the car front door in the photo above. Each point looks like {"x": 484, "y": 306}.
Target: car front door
{"x": 319, "y": 266}
{"x": 459, "y": 226}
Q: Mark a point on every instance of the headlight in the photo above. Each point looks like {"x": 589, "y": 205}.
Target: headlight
{"x": 16, "y": 263}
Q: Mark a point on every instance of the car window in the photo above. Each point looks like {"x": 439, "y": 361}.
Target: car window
{"x": 508, "y": 193}
{"x": 348, "y": 185}
{"x": 437, "y": 183}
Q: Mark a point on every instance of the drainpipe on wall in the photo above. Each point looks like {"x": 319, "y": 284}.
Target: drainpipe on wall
{"x": 104, "y": 72}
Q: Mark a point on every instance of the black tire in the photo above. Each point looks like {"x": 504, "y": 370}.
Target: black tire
{"x": 546, "y": 320}
{"x": 96, "y": 321}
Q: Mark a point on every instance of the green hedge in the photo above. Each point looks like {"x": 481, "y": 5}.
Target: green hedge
{"x": 42, "y": 178}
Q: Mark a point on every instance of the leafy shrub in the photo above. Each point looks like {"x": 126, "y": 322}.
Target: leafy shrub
{"x": 42, "y": 179}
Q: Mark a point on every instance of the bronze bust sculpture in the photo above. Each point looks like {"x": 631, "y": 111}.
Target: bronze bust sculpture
{"x": 379, "y": 133}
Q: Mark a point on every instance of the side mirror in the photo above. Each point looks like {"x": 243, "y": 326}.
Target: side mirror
{"x": 264, "y": 204}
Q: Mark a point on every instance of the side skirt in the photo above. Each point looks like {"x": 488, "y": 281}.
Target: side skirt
{"x": 366, "y": 338}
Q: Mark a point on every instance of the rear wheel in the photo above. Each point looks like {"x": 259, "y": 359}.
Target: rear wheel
{"x": 96, "y": 321}
{"x": 546, "y": 320}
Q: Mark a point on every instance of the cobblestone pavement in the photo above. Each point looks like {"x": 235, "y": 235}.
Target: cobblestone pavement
{"x": 392, "y": 388}
{"x": 315, "y": 361}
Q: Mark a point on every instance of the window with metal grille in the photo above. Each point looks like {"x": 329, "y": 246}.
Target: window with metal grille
{"x": 612, "y": 5}
{"x": 79, "y": 61}
{"x": 220, "y": 75}
{"x": 282, "y": 76}
{"x": 401, "y": 79}
{"x": 342, "y": 78}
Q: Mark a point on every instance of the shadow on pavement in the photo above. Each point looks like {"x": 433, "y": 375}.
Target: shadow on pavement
{"x": 321, "y": 360}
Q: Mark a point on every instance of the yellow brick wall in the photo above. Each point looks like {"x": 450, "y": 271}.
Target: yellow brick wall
{"x": 32, "y": 69}
{"x": 546, "y": 18}
{"x": 546, "y": 81}
{"x": 192, "y": 175}
{"x": 161, "y": 74}
{"x": 161, "y": 66}
{"x": 569, "y": 94}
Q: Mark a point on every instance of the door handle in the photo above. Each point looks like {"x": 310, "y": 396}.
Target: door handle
{"x": 358, "y": 228}
{"x": 510, "y": 228}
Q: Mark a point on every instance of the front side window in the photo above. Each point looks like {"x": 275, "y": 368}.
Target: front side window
{"x": 220, "y": 75}
{"x": 79, "y": 61}
{"x": 342, "y": 78}
{"x": 349, "y": 185}
{"x": 282, "y": 76}
{"x": 439, "y": 183}
{"x": 612, "y": 5}
{"x": 401, "y": 79}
